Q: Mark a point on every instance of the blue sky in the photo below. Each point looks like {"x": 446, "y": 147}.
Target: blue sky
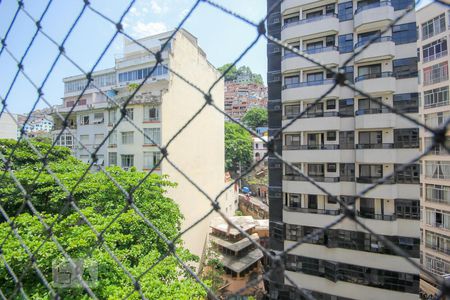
{"x": 221, "y": 36}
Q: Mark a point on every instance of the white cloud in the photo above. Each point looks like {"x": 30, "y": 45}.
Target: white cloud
{"x": 141, "y": 29}
{"x": 155, "y": 7}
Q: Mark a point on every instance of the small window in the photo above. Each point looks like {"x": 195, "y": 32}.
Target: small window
{"x": 331, "y": 104}
{"x": 85, "y": 120}
{"x": 331, "y": 135}
{"x": 331, "y": 168}
{"x": 331, "y": 200}
{"x": 130, "y": 113}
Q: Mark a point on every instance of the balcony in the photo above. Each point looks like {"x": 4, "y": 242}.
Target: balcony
{"x": 387, "y": 190}
{"x": 312, "y": 27}
{"x": 374, "y": 216}
{"x": 386, "y": 153}
{"x": 317, "y": 120}
{"x": 377, "y": 83}
{"x": 311, "y": 147}
{"x": 318, "y": 153}
{"x": 315, "y": 178}
{"x": 325, "y": 56}
{"x": 374, "y": 16}
{"x": 309, "y": 90}
{"x": 381, "y": 48}
{"x": 331, "y": 212}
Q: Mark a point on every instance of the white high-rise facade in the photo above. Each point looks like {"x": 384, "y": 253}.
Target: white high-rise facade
{"x": 160, "y": 109}
{"x": 345, "y": 143}
{"x": 433, "y": 23}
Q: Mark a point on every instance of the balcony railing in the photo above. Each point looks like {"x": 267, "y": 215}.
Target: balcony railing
{"x": 311, "y": 147}
{"x": 308, "y": 83}
{"x": 315, "y": 178}
{"x": 375, "y": 146}
{"x": 380, "y": 39}
{"x": 333, "y": 212}
{"x": 309, "y": 20}
{"x": 437, "y": 104}
{"x": 367, "y": 215}
{"x": 372, "y": 111}
{"x": 437, "y": 248}
{"x": 373, "y": 5}
{"x": 373, "y": 76}
{"x": 347, "y": 178}
{"x": 319, "y": 114}
{"x": 289, "y": 54}
{"x": 374, "y": 180}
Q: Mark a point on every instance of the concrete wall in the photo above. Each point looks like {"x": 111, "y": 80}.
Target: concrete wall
{"x": 199, "y": 149}
{"x": 8, "y": 128}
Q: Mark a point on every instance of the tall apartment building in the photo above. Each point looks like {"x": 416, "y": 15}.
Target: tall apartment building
{"x": 242, "y": 96}
{"x": 160, "y": 109}
{"x": 433, "y": 23}
{"x": 345, "y": 143}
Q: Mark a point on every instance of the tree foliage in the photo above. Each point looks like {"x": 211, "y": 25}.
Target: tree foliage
{"x": 134, "y": 243}
{"x": 255, "y": 117}
{"x": 234, "y": 73}
{"x": 238, "y": 147}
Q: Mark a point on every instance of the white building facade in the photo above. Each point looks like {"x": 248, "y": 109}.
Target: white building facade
{"x": 345, "y": 143}
{"x": 433, "y": 23}
{"x": 8, "y": 127}
{"x": 160, "y": 109}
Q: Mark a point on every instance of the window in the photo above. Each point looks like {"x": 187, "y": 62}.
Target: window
{"x": 404, "y": 33}
{"x": 406, "y": 138}
{"x": 407, "y": 209}
{"x": 331, "y": 104}
{"x": 364, "y": 38}
{"x": 434, "y": 50}
{"x": 370, "y": 71}
{"x": 82, "y": 102}
{"x": 402, "y": 4}
{"x": 371, "y": 171}
{"x": 127, "y": 137}
{"x": 433, "y": 27}
{"x": 348, "y": 72}
{"x": 84, "y": 139}
{"x": 410, "y": 174}
{"x": 345, "y": 11}
{"x": 98, "y": 138}
{"x": 292, "y": 139}
{"x": 127, "y": 160}
{"x": 347, "y": 172}
{"x": 65, "y": 140}
{"x": 437, "y": 193}
{"x": 436, "y": 97}
{"x": 151, "y": 113}
{"x": 112, "y": 158}
{"x": 130, "y": 113}
{"x": 291, "y": 19}
{"x": 70, "y": 103}
{"x": 346, "y": 107}
{"x": 315, "y": 45}
{"x": 331, "y": 135}
{"x": 142, "y": 73}
{"x": 345, "y": 43}
{"x": 316, "y": 170}
{"x": 437, "y": 169}
{"x": 84, "y": 120}
{"x": 291, "y": 81}
{"x": 407, "y": 103}
{"x": 347, "y": 139}
{"x": 405, "y": 67}
{"x": 112, "y": 116}
{"x": 435, "y": 74}
{"x": 151, "y": 159}
{"x": 152, "y": 136}
{"x": 370, "y": 138}
{"x": 113, "y": 139}
{"x": 98, "y": 118}
{"x": 314, "y": 110}
{"x": 330, "y": 41}
{"x": 292, "y": 110}
{"x": 331, "y": 168}
{"x": 313, "y": 77}
{"x": 368, "y": 106}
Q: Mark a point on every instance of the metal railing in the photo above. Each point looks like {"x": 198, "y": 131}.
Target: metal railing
{"x": 374, "y": 76}
{"x": 308, "y": 83}
{"x": 373, "y": 5}
{"x": 380, "y": 39}
{"x": 310, "y": 20}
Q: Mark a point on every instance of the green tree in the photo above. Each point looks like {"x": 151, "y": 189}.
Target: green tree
{"x": 234, "y": 72}
{"x": 238, "y": 147}
{"x": 134, "y": 243}
{"x": 255, "y": 117}
{"x": 231, "y": 74}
